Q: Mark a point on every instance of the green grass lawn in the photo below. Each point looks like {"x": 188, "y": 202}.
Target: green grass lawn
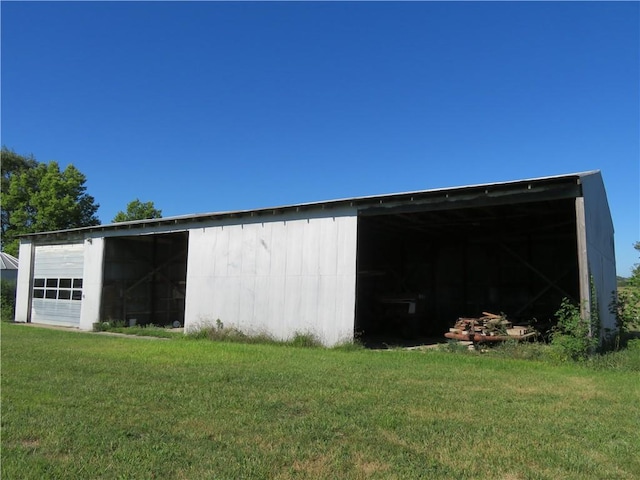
{"x": 87, "y": 406}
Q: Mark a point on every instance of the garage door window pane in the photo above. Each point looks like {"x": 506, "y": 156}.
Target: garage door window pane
{"x": 52, "y": 283}
{"x": 52, "y": 294}
{"x": 77, "y": 283}
{"x": 38, "y": 282}
{"x": 64, "y": 295}
{"x": 65, "y": 283}
{"x": 76, "y": 295}
{"x": 38, "y": 293}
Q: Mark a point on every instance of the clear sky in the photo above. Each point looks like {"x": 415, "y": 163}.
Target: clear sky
{"x": 209, "y": 106}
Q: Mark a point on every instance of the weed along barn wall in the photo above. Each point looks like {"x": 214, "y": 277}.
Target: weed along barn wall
{"x": 380, "y": 267}
{"x": 290, "y": 274}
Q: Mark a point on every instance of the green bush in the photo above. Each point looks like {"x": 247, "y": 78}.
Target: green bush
{"x": 572, "y": 338}
{"x": 625, "y": 305}
{"x": 7, "y": 301}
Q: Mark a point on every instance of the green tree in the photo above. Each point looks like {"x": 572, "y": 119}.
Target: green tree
{"x": 39, "y": 197}
{"x": 634, "y": 280}
{"x": 13, "y": 163}
{"x": 626, "y": 302}
{"x": 137, "y": 210}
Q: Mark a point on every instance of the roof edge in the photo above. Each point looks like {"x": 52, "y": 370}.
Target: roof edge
{"x": 353, "y": 202}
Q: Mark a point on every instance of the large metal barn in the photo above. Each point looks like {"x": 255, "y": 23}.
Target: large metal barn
{"x": 386, "y": 268}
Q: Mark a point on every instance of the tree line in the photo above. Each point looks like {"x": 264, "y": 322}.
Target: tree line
{"x": 41, "y": 197}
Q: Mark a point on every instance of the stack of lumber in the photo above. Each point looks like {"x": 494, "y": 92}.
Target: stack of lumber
{"x": 488, "y": 328}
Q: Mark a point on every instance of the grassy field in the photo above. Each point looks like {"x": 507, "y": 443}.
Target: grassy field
{"x": 87, "y": 406}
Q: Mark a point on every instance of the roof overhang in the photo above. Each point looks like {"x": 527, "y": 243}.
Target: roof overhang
{"x": 520, "y": 191}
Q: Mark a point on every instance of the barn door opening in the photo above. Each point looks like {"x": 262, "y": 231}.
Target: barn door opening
{"x": 145, "y": 279}
{"x": 418, "y": 272}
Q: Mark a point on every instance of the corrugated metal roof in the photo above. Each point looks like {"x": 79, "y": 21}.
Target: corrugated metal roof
{"x": 8, "y": 262}
{"x": 374, "y": 201}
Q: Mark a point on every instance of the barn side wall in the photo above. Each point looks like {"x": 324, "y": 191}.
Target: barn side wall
{"x": 291, "y": 274}
{"x": 23, "y": 286}
{"x": 92, "y": 279}
{"x": 601, "y": 256}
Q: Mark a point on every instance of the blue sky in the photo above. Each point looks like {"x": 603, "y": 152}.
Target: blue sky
{"x": 210, "y": 106}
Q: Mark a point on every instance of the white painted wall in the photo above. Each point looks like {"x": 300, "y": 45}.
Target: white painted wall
{"x": 600, "y": 244}
{"x": 92, "y": 283}
{"x": 286, "y": 275}
{"x": 23, "y": 286}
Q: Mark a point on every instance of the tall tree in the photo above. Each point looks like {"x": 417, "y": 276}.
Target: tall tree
{"x": 38, "y": 197}
{"x": 11, "y": 164}
{"x": 137, "y": 210}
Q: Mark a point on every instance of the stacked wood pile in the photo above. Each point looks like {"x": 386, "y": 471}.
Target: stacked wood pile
{"x": 488, "y": 328}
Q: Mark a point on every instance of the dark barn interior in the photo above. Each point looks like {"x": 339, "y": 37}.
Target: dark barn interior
{"x": 419, "y": 271}
{"x": 144, "y": 279}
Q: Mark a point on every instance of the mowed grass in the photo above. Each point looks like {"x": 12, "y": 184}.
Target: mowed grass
{"x": 87, "y": 406}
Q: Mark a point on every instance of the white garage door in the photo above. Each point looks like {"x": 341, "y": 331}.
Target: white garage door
{"x": 57, "y": 284}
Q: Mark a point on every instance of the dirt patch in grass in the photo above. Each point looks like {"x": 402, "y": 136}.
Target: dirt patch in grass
{"x": 31, "y": 443}
{"x": 369, "y": 467}
{"x": 314, "y": 467}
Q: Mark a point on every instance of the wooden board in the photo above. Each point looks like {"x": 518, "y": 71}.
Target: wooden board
{"x": 487, "y": 338}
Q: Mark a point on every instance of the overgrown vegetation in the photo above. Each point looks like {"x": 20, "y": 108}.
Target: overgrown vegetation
{"x": 7, "y": 301}
{"x": 137, "y": 330}
{"x": 573, "y": 337}
{"x": 625, "y": 305}
{"x": 513, "y": 349}
{"x": 578, "y": 338}
{"x": 216, "y": 333}
{"x": 626, "y": 302}
{"x": 625, "y": 359}
{"x": 219, "y": 332}
{"x": 79, "y": 406}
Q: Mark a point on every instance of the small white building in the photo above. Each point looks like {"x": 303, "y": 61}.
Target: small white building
{"x": 380, "y": 267}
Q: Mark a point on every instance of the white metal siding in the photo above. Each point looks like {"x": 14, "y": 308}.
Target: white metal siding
{"x": 280, "y": 277}
{"x": 56, "y": 262}
{"x": 600, "y": 250}
{"x": 23, "y": 290}
{"x": 91, "y": 282}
